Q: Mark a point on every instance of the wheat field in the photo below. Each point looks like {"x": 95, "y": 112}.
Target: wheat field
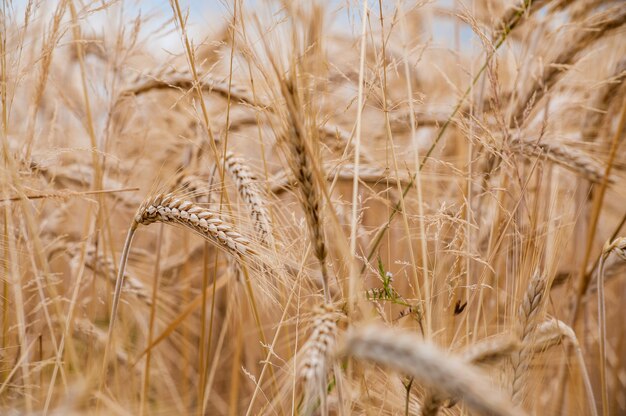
{"x": 313, "y": 208}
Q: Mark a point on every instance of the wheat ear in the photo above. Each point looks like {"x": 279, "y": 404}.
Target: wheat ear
{"x": 527, "y": 316}
{"x": 552, "y": 332}
{"x": 618, "y": 246}
{"x": 487, "y": 351}
{"x": 170, "y": 209}
{"x": 491, "y": 350}
{"x": 596, "y": 26}
{"x": 301, "y": 161}
{"x": 564, "y": 156}
{"x": 369, "y": 174}
{"x": 104, "y": 266}
{"x": 168, "y": 77}
{"x": 251, "y": 193}
{"x": 317, "y": 355}
{"x": 410, "y": 354}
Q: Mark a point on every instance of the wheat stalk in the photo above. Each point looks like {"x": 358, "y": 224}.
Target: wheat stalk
{"x": 410, "y": 354}
{"x": 617, "y": 246}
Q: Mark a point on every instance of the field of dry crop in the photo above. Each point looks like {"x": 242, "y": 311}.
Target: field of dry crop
{"x": 313, "y": 207}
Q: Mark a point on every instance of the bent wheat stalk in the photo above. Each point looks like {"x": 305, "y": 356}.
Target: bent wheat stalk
{"x": 410, "y": 354}
{"x": 170, "y": 209}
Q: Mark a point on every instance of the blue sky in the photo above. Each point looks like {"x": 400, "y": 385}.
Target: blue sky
{"x": 208, "y": 16}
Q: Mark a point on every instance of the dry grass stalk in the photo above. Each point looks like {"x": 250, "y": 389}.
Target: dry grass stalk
{"x": 252, "y": 194}
{"x": 411, "y": 355}
{"x": 527, "y": 316}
